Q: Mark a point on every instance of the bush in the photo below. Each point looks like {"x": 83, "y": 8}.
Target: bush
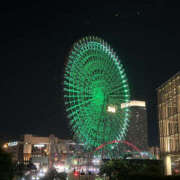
{"x": 6, "y": 166}
{"x": 121, "y": 169}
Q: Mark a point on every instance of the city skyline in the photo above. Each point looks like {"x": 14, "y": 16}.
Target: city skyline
{"x": 36, "y": 41}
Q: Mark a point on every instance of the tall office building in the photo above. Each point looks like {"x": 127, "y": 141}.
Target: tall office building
{"x": 137, "y": 133}
{"x": 169, "y": 119}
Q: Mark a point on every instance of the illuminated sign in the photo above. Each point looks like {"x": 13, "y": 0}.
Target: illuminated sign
{"x": 12, "y": 143}
{"x": 133, "y": 103}
{"x": 39, "y": 145}
{"x": 111, "y": 109}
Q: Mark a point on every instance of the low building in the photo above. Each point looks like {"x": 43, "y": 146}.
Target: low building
{"x": 44, "y": 151}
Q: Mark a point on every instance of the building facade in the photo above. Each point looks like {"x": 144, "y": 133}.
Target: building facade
{"x": 169, "y": 119}
{"x": 43, "y": 152}
{"x": 137, "y": 133}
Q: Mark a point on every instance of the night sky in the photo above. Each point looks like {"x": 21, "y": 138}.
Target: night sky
{"x": 35, "y": 38}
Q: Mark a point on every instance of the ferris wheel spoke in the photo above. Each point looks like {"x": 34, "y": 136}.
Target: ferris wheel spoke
{"x": 76, "y": 89}
{"x": 125, "y": 96}
{"x": 72, "y": 85}
{"x": 78, "y": 96}
{"x": 79, "y": 105}
{"x": 95, "y": 78}
{"x": 119, "y": 98}
{"x": 120, "y": 89}
{"x": 76, "y": 78}
{"x": 77, "y": 72}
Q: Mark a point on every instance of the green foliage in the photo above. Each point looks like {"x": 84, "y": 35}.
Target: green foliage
{"x": 6, "y": 166}
{"x": 61, "y": 176}
{"x": 117, "y": 169}
{"x": 107, "y": 168}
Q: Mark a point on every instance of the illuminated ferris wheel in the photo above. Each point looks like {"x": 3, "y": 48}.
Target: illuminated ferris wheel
{"x": 95, "y": 86}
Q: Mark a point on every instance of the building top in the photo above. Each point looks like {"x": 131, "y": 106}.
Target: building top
{"x": 134, "y": 103}
{"x": 170, "y": 79}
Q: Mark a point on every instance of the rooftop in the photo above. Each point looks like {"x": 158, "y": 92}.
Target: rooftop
{"x": 134, "y": 103}
{"x": 170, "y": 79}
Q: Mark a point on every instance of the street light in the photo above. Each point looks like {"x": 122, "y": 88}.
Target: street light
{"x": 5, "y": 146}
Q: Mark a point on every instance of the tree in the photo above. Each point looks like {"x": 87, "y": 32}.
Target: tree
{"x": 6, "y": 165}
{"x": 108, "y": 169}
{"x": 123, "y": 168}
{"x": 61, "y": 176}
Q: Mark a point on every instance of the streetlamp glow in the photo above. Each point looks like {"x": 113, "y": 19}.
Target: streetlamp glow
{"x": 5, "y": 146}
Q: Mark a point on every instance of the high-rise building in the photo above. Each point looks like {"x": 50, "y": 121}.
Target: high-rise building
{"x": 137, "y": 133}
{"x": 169, "y": 119}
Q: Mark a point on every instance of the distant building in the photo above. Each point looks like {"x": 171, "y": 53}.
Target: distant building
{"x": 36, "y": 149}
{"x": 169, "y": 120}
{"x": 43, "y": 151}
{"x": 137, "y": 133}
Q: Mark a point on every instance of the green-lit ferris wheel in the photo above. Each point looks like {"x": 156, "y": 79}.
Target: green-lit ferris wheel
{"x": 95, "y": 89}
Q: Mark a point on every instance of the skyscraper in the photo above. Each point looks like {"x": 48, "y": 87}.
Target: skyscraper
{"x": 137, "y": 131}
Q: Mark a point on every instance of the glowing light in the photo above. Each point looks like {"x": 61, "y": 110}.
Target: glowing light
{"x": 96, "y": 161}
{"x": 168, "y": 169}
{"x": 41, "y": 174}
{"x": 15, "y": 143}
{"x": 35, "y": 177}
{"x": 133, "y": 103}
{"x": 75, "y": 162}
{"x": 111, "y": 109}
{"x": 94, "y": 79}
{"x": 76, "y": 173}
{"x": 39, "y": 145}
{"x": 118, "y": 141}
{"x": 5, "y": 146}
{"x": 44, "y": 170}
